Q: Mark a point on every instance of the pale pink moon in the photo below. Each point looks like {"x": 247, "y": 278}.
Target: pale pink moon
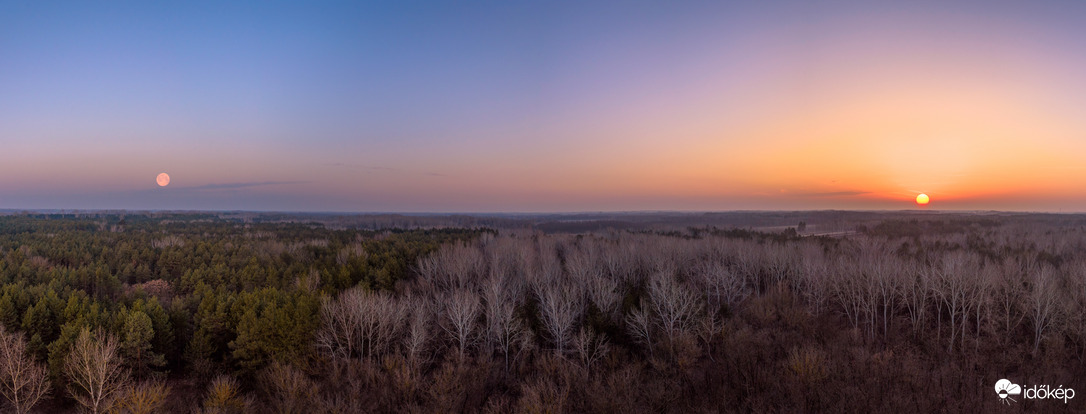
{"x": 163, "y": 180}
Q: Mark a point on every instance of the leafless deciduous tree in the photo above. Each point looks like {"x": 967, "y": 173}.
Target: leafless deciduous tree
{"x": 814, "y": 278}
{"x": 349, "y": 252}
{"x": 95, "y": 372}
{"x": 639, "y": 326}
{"x": 22, "y": 381}
{"x": 145, "y": 397}
{"x": 1008, "y": 294}
{"x": 979, "y": 300}
{"x": 1075, "y": 305}
{"x": 707, "y": 331}
{"x": 846, "y": 289}
{"x": 915, "y": 293}
{"x": 590, "y": 347}
{"x": 360, "y": 323}
{"x": 885, "y": 275}
{"x": 461, "y": 313}
{"x": 339, "y": 332}
{"x": 604, "y": 294}
{"x": 748, "y": 260}
{"x": 453, "y": 267}
{"x": 416, "y": 341}
{"x": 287, "y": 389}
{"x": 1044, "y": 303}
{"x": 779, "y": 263}
{"x": 674, "y": 306}
{"x": 559, "y": 308}
{"x": 954, "y": 281}
{"x": 617, "y": 260}
{"x": 582, "y": 262}
{"x": 224, "y": 397}
{"x": 504, "y": 331}
{"x": 546, "y": 267}
{"x": 722, "y": 286}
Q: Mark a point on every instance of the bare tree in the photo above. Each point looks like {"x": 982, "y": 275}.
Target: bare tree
{"x": 779, "y": 263}
{"x": 416, "y": 341}
{"x": 953, "y": 285}
{"x": 582, "y": 262}
{"x": 748, "y": 263}
{"x": 979, "y": 300}
{"x": 1044, "y": 303}
{"x": 503, "y": 330}
{"x": 145, "y": 397}
{"x": 707, "y": 330}
{"x": 224, "y": 397}
{"x": 461, "y": 314}
{"x": 813, "y": 280}
{"x": 846, "y": 289}
{"x": 94, "y": 369}
{"x": 1076, "y": 303}
{"x": 618, "y": 259}
{"x": 603, "y": 293}
{"x": 559, "y": 309}
{"x": 547, "y": 268}
{"x": 339, "y": 332}
{"x": 639, "y": 325}
{"x": 288, "y": 390}
{"x": 859, "y": 296}
{"x": 590, "y": 347}
{"x": 22, "y": 381}
{"x": 453, "y": 267}
{"x": 674, "y": 306}
{"x": 722, "y": 286}
{"x": 360, "y": 322}
{"x": 915, "y": 293}
{"x": 885, "y": 275}
{"x": 1008, "y": 299}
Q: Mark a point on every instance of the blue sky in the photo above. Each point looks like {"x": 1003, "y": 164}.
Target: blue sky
{"x": 540, "y": 106}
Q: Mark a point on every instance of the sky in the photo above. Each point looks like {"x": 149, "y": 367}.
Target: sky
{"x": 525, "y": 106}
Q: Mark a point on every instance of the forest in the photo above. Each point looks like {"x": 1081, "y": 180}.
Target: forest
{"x": 230, "y": 313}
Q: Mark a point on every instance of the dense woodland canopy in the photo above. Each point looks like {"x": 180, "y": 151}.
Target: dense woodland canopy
{"x": 224, "y": 313}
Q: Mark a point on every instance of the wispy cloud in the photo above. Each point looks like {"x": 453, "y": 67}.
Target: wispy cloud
{"x": 833, "y": 194}
{"x": 373, "y": 168}
{"x": 359, "y": 166}
{"x": 231, "y": 186}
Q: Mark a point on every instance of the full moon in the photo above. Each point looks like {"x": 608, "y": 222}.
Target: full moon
{"x": 920, "y": 199}
{"x": 163, "y": 180}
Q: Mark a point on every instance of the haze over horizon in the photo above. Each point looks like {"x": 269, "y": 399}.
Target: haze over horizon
{"x": 542, "y": 106}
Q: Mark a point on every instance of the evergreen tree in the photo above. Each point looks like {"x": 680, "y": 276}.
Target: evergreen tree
{"x": 136, "y": 336}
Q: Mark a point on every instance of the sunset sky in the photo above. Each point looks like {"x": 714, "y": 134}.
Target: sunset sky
{"x": 518, "y": 106}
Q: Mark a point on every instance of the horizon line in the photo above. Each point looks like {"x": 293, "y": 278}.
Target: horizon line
{"x": 523, "y": 213}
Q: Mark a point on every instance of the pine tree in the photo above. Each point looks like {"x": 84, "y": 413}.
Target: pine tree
{"x": 136, "y": 335}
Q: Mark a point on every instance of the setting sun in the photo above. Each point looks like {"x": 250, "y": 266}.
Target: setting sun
{"x": 922, "y": 199}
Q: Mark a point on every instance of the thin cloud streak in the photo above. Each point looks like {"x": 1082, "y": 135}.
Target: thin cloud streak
{"x": 360, "y": 167}
{"x": 832, "y": 194}
{"x": 232, "y": 186}
{"x": 371, "y": 168}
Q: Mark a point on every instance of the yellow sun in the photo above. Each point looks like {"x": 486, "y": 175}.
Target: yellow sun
{"x": 922, "y": 199}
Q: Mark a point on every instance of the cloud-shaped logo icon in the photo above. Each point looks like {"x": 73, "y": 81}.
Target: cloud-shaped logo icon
{"x": 1005, "y": 388}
